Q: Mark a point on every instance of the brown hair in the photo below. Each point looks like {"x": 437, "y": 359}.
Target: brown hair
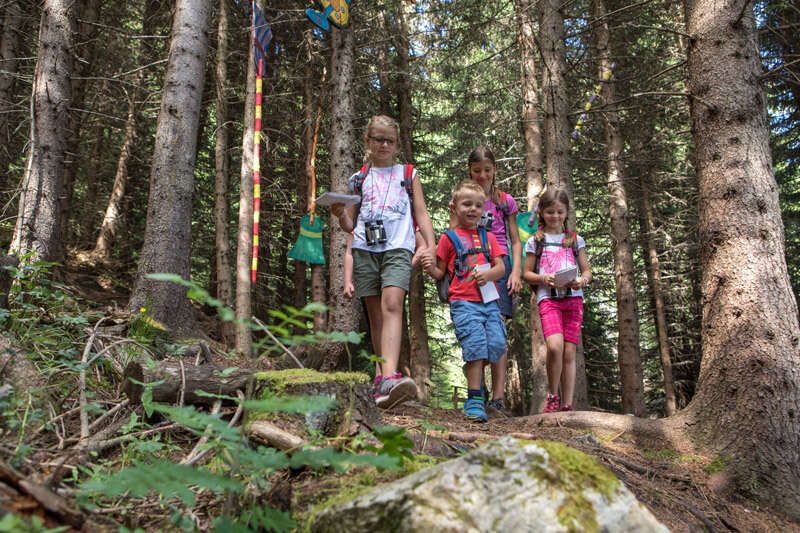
{"x": 550, "y": 196}
{"x": 482, "y": 153}
{"x": 466, "y": 185}
{"x": 379, "y": 120}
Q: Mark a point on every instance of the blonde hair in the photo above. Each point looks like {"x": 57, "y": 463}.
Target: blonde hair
{"x": 379, "y": 120}
{"x": 550, "y": 196}
{"x": 464, "y": 186}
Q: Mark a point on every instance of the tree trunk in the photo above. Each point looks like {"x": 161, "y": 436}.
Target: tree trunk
{"x": 9, "y": 47}
{"x": 628, "y": 353}
{"x": 420, "y": 354}
{"x": 112, "y": 216}
{"x": 748, "y": 396}
{"x": 653, "y": 267}
{"x": 557, "y": 134}
{"x": 168, "y": 238}
{"x": 87, "y": 31}
{"x": 384, "y": 94}
{"x": 535, "y": 183}
{"x": 343, "y": 315}
{"x": 222, "y": 252}
{"x": 37, "y": 229}
{"x": 244, "y": 239}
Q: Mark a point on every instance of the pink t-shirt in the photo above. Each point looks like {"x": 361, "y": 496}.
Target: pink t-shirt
{"x": 498, "y": 227}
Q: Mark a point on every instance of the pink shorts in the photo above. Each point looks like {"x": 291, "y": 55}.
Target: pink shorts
{"x": 563, "y": 316}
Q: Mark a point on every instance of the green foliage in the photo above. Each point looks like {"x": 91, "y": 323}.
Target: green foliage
{"x": 11, "y": 523}
{"x": 718, "y": 464}
{"x": 240, "y": 466}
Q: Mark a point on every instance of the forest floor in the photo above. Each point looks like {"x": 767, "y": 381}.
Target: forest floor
{"x": 677, "y": 488}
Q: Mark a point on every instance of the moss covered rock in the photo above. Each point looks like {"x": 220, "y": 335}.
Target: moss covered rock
{"x": 507, "y": 485}
{"x": 352, "y": 392}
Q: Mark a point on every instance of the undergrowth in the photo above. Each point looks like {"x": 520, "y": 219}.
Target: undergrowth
{"x": 49, "y": 327}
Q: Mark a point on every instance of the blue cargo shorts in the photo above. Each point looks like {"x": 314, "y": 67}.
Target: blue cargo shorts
{"x": 479, "y": 329}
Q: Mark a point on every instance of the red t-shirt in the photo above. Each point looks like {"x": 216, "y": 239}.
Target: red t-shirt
{"x": 463, "y": 289}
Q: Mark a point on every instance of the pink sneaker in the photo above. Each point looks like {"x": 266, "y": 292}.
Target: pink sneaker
{"x": 552, "y": 404}
{"x": 376, "y": 385}
{"x": 566, "y": 407}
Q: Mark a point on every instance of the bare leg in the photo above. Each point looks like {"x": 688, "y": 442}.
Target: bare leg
{"x": 568, "y": 374}
{"x": 474, "y": 374}
{"x": 373, "y": 305}
{"x": 555, "y": 360}
{"x": 392, "y": 299}
{"x": 499, "y": 370}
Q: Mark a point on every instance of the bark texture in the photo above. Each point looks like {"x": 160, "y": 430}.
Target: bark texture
{"x": 37, "y": 229}
{"x": 628, "y": 353}
{"x": 168, "y": 238}
{"x": 222, "y": 248}
{"x": 343, "y": 314}
{"x": 532, "y": 134}
{"x": 653, "y": 267}
{"x": 748, "y": 397}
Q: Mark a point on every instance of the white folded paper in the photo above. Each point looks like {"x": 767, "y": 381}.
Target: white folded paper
{"x": 566, "y": 276}
{"x": 330, "y": 198}
{"x": 489, "y": 290}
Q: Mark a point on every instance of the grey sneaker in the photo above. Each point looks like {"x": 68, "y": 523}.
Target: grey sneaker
{"x": 394, "y": 391}
{"x": 496, "y": 408}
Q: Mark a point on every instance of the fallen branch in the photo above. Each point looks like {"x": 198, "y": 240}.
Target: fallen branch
{"x": 57, "y": 506}
{"x": 269, "y": 433}
{"x": 279, "y": 343}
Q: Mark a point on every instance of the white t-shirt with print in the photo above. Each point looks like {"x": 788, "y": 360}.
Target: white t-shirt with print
{"x": 554, "y": 258}
{"x": 384, "y": 197}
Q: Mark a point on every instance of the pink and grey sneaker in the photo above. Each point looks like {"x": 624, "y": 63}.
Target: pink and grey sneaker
{"x": 394, "y": 390}
{"x": 566, "y": 407}
{"x": 552, "y": 404}
{"x": 376, "y": 385}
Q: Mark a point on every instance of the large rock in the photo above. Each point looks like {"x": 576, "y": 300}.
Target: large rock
{"x": 509, "y": 485}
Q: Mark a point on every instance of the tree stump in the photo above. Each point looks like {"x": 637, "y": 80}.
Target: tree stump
{"x": 351, "y": 390}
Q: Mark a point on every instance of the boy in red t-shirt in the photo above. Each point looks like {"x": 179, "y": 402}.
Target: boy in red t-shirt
{"x": 479, "y": 326}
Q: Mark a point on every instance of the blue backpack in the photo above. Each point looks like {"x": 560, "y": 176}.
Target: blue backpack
{"x": 461, "y": 266}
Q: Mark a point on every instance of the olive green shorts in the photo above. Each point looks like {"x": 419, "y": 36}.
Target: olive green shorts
{"x": 374, "y": 271}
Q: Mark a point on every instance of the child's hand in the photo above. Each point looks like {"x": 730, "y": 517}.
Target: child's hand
{"x": 427, "y": 262}
{"x": 550, "y": 280}
{"x": 514, "y": 284}
{"x": 337, "y": 210}
{"x": 480, "y": 277}
{"x": 577, "y": 283}
{"x": 415, "y": 259}
{"x": 349, "y": 290}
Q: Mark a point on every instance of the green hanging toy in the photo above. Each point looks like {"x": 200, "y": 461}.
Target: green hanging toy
{"x": 308, "y": 247}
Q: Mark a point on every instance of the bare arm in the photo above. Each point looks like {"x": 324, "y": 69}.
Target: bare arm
{"x": 514, "y": 285}
{"x": 422, "y": 218}
{"x": 348, "y": 289}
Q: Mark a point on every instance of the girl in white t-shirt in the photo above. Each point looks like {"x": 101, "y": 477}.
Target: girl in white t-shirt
{"x": 554, "y": 248}
{"x": 383, "y": 246}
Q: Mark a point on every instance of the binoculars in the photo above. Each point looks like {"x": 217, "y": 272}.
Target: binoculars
{"x": 374, "y": 232}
